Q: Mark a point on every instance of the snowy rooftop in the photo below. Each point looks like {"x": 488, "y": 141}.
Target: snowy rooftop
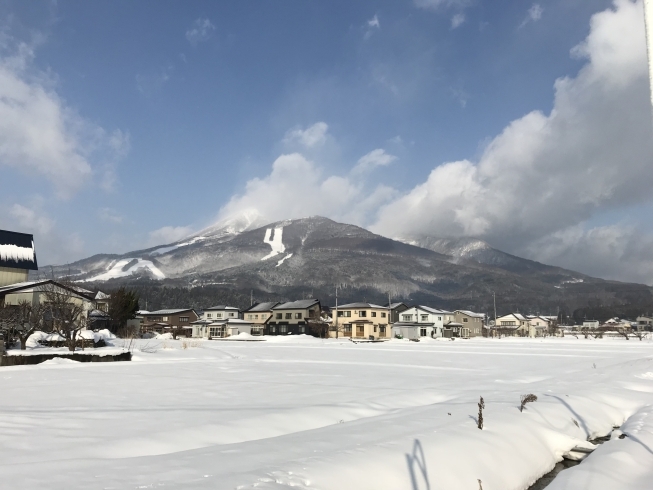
{"x": 222, "y": 307}
{"x": 262, "y": 306}
{"x": 471, "y": 313}
{"x": 433, "y": 310}
{"x": 360, "y": 305}
{"x": 17, "y": 250}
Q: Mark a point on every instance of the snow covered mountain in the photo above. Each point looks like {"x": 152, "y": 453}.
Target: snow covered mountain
{"x": 313, "y": 255}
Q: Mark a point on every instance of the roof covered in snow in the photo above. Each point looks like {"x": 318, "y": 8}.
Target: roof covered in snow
{"x": 221, "y": 308}
{"x": 166, "y": 312}
{"x": 17, "y": 250}
{"x": 471, "y": 313}
{"x": 433, "y": 310}
{"x": 361, "y": 305}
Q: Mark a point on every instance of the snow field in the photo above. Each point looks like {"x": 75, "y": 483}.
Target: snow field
{"x": 302, "y": 412}
{"x": 275, "y": 242}
{"x": 115, "y": 270}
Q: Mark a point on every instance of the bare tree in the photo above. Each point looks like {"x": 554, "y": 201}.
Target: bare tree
{"x": 21, "y": 320}
{"x": 527, "y": 399}
{"x": 66, "y": 312}
{"x": 624, "y": 333}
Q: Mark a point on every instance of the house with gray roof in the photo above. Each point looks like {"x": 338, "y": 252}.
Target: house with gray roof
{"x": 294, "y": 317}
{"x": 258, "y": 314}
{"x": 360, "y": 321}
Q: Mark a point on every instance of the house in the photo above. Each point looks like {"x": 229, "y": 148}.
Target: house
{"x": 220, "y": 328}
{"x": 591, "y": 324}
{"x": 258, "y": 314}
{"x": 395, "y": 310}
{"x": 175, "y": 321}
{"x": 360, "y": 321}
{"x": 17, "y": 257}
{"x": 35, "y": 292}
{"x": 645, "y": 323}
{"x": 421, "y": 321}
{"x": 220, "y": 312}
{"x": 293, "y": 317}
{"x": 471, "y": 323}
{"x": 513, "y": 324}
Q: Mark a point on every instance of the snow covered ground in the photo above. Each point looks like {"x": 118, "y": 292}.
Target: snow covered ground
{"x": 120, "y": 269}
{"x": 307, "y": 413}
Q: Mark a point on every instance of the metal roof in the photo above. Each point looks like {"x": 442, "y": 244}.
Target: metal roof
{"x": 433, "y": 310}
{"x": 262, "y": 307}
{"x": 297, "y": 305}
{"x": 17, "y": 250}
{"x": 471, "y": 313}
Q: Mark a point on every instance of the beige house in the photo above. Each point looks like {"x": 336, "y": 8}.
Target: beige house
{"x": 360, "y": 321}
{"x": 258, "y": 315}
{"x": 471, "y": 323}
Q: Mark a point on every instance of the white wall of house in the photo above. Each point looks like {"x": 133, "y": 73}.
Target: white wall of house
{"x": 420, "y": 314}
{"x": 220, "y": 314}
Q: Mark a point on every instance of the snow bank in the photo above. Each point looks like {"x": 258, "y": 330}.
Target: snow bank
{"x": 57, "y": 361}
{"x": 164, "y": 336}
{"x": 104, "y": 334}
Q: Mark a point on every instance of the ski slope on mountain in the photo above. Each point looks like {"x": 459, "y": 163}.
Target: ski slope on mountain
{"x": 311, "y": 414}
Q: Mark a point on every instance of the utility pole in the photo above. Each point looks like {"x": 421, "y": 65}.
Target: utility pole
{"x": 251, "y": 298}
{"x": 336, "y": 312}
{"x": 494, "y": 296}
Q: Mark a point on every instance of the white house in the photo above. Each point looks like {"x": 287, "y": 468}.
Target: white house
{"x": 220, "y": 312}
{"x": 421, "y": 321}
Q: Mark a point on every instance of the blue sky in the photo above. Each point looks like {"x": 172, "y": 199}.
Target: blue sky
{"x": 168, "y": 109}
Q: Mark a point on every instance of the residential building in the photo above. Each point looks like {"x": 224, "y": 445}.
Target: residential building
{"x": 645, "y": 323}
{"x": 513, "y": 324}
{"x": 471, "y": 323}
{"x": 35, "y": 292}
{"x": 591, "y": 324}
{"x": 395, "y": 310}
{"x": 360, "y": 321}
{"x": 220, "y": 312}
{"x": 258, "y": 314}
{"x": 421, "y": 321}
{"x": 17, "y": 257}
{"x": 293, "y": 317}
{"x": 220, "y": 328}
{"x": 175, "y": 321}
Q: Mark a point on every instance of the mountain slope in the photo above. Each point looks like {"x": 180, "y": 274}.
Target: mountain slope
{"x": 290, "y": 259}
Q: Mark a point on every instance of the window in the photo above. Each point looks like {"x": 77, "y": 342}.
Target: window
{"x": 298, "y": 316}
{"x": 208, "y": 315}
{"x": 362, "y": 314}
{"x": 382, "y": 315}
{"x": 360, "y": 330}
{"x": 183, "y": 319}
{"x": 256, "y": 317}
{"x": 382, "y": 331}
{"x": 283, "y": 329}
{"x": 348, "y": 314}
{"x": 406, "y": 318}
{"x": 341, "y": 313}
{"x": 348, "y": 329}
{"x": 425, "y": 318}
{"x": 439, "y": 318}
{"x": 302, "y": 329}
{"x": 422, "y": 332}
{"x": 374, "y": 328}
{"x": 216, "y": 331}
{"x": 288, "y": 316}
{"x": 232, "y": 314}
{"x": 250, "y": 317}
{"x": 273, "y": 329}
{"x": 165, "y": 318}
{"x": 465, "y": 320}
{"x": 373, "y": 313}
{"x": 509, "y": 323}
{"x": 279, "y": 316}
{"x": 218, "y": 315}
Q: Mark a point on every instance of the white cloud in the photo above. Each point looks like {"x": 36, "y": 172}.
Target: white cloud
{"x": 612, "y": 252}
{"x": 533, "y": 15}
{"x": 311, "y": 137}
{"x": 168, "y": 234}
{"x": 31, "y": 220}
{"x": 546, "y": 173}
{"x": 109, "y": 215}
{"x": 372, "y": 25}
{"x": 457, "y": 20}
{"x": 375, "y": 158}
{"x": 201, "y": 30}
{"x": 301, "y": 188}
{"x": 40, "y": 135}
{"x": 436, "y": 4}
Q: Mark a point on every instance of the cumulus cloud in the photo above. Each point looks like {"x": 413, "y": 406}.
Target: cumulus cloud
{"x": 297, "y": 187}
{"x": 168, "y": 234}
{"x": 375, "y": 158}
{"x": 533, "y": 15}
{"x": 201, "y": 30}
{"x": 546, "y": 173}
{"x": 40, "y": 135}
{"x": 311, "y": 137}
